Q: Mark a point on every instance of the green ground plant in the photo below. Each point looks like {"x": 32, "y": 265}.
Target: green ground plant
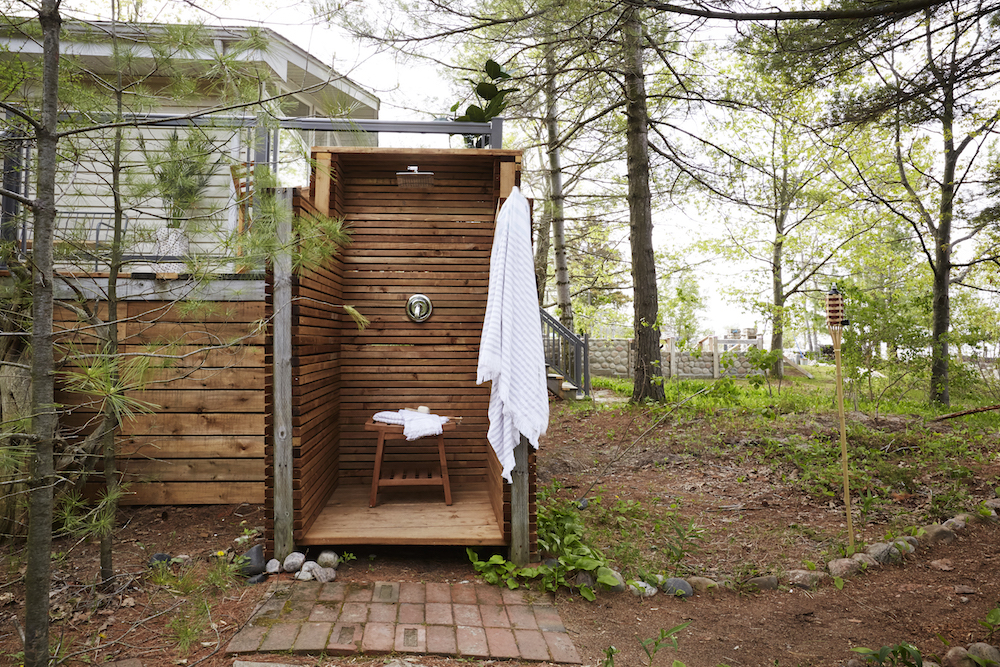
{"x": 898, "y": 655}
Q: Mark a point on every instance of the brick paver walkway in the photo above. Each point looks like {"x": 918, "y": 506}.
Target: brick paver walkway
{"x": 467, "y": 620}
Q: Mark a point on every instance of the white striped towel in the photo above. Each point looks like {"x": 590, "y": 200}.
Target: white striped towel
{"x": 415, "y": 425}
{"x": 510, "y": 351}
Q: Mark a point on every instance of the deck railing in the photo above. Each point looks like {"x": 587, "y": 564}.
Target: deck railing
{"x": 566, "y": 353}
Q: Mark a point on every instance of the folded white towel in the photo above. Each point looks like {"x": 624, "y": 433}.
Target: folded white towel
{"x": 415, "y": 425}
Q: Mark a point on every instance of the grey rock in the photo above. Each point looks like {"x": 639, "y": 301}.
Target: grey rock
{"x": 844, "y": 567}
{"x": 904, "y": 546}
{"x": 854, "y": 662}
{"x": 808, "y": 579}
{"x": 985, "y": 652}
{"x": 954, "y": 523}
{"x": 254, "y": 562}
{"x": 641, "y": 589}
{"x": 273, "y": 566}
{"x": 993, "y": 503}
{"x": 293, "y": 562}
{"x": 323, "y": 574}
{"x": 157, "y": 558}
{"x": 258, "y": 578}
{"x": 957, "y": 657}
{"x": 620, "y": 586}
{"x": 865, "y": 559}
{"x": 702, "y": 585}
{"x": 765, "y": 583}
{"x": 911, "y": 540}
{"x": 328, "y": 558}
{"x": 884, "y": 553}
{"x": 677, "y": 587}
{"x": 930, "y": 663}
{"x": 308, "y": 566}
{"x": 304, "y": 575}
{"x": 938, "y": 534}
{"x": 967, "y": 518}
{"x": 583, "y": 579}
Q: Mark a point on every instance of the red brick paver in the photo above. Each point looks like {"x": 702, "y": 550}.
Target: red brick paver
{"x": 379, "y": 612}
{"x": 441, "y": 639}
{"x": 281, "y": 637}
{"x": 246, "y": 640}
{"x": 561, "y": 647}
{"x": 501, "y": 643}
{"x": 411, "y": 639}
{"x": 438, "y": 613}
{"x": 345, "y": 639}
{"x": 411, "y": 592}
{"x": 438, "y": 592}
{"x": 472, "y": 642}
{"x": 410, "y": 613}
{"x": 494, "y": 616}
{"x": 467, "y": 614}
{"x": 531, "y": 645}
{"x": 379, "y": 638}
{"x": 313, "y": 637}
{"x": 463, "y": 594}
{"x": 522, "y": 616}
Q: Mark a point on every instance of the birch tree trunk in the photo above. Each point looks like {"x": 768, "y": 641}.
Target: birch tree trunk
{"x": 564, "y": 300}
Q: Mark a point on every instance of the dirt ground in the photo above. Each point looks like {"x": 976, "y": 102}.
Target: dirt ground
{"x": 753, "y": 518}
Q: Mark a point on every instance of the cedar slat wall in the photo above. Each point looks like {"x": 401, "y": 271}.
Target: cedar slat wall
{"x": 435, "y": 242}
{"x": 204, "y": 442}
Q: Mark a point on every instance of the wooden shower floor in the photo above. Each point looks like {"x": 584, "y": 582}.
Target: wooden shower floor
{"x": 406, "y": 516}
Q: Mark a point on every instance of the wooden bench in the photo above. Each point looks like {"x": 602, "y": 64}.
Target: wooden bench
{"x": 408, "y": 475}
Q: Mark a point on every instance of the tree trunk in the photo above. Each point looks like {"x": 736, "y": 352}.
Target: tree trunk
{"x": 110, "y": 422}
{"x": 778, "y": 303}
{"x": 44, "y": 416}
{"x": 556, "y": 197}
{"x": 647, "y": 371}
{"x": 941, "y": 298}
{"x": 542, "y": 245}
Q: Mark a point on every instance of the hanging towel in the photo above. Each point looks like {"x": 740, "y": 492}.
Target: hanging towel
{"x": 510, "y": 351}
{"x": 415, "y": 425}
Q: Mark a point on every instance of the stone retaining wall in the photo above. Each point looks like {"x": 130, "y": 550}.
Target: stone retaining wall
{"x": 612, "y": 357}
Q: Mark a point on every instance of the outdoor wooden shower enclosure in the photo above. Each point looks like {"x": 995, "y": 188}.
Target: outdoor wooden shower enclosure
{"x": 433, "y": 240}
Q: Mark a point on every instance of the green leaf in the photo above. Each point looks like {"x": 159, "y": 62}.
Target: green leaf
{"x": 474, "y": 114}
{"x": 839, "y": 583}
{"x": 587, "y": 593}
{"x": 494, "y": 71}
{"x": 487, "y": 90}
{"x": 585, "y": 563}
{"x": 604, "y": 576}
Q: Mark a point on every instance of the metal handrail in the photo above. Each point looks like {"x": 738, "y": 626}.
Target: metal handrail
{"x": 565, "y": 352}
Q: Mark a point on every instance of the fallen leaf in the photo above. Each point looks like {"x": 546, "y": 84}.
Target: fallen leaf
{"x": 944, "y": 565}
{"x": 128, "y": 602}
{"x": 6, "y": 598}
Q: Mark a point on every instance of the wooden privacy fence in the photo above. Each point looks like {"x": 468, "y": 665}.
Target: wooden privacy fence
{"x": 199, "y": 439}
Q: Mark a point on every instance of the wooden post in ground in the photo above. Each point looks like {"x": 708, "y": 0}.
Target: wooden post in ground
{"x": 282, "y": 381}
{"x": 715, "y": 358}
{"x": 520, "y": 548}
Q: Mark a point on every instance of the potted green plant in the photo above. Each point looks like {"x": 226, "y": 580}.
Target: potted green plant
{"x": 182, "y": 170}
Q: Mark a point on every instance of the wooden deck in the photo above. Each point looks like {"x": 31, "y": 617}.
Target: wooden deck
{"x": 407, "y": 516}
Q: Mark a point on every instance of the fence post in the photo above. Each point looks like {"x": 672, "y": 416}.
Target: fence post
{"x": 672, "y": 351}
{"x": 282, "y": 382}
{"x": 715, "y": 358}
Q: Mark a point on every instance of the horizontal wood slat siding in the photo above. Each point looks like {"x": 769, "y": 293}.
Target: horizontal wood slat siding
{"x": 200, "y": 438}
{"x": 435, "y": 242}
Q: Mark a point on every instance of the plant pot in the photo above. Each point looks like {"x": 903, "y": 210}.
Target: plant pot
{"x": 170, "y": 242}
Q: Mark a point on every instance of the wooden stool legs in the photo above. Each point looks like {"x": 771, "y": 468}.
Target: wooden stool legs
{"x": 409, "y": 477}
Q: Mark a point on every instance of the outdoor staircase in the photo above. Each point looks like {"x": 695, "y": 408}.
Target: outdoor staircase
{"x": 567, "y": 359}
